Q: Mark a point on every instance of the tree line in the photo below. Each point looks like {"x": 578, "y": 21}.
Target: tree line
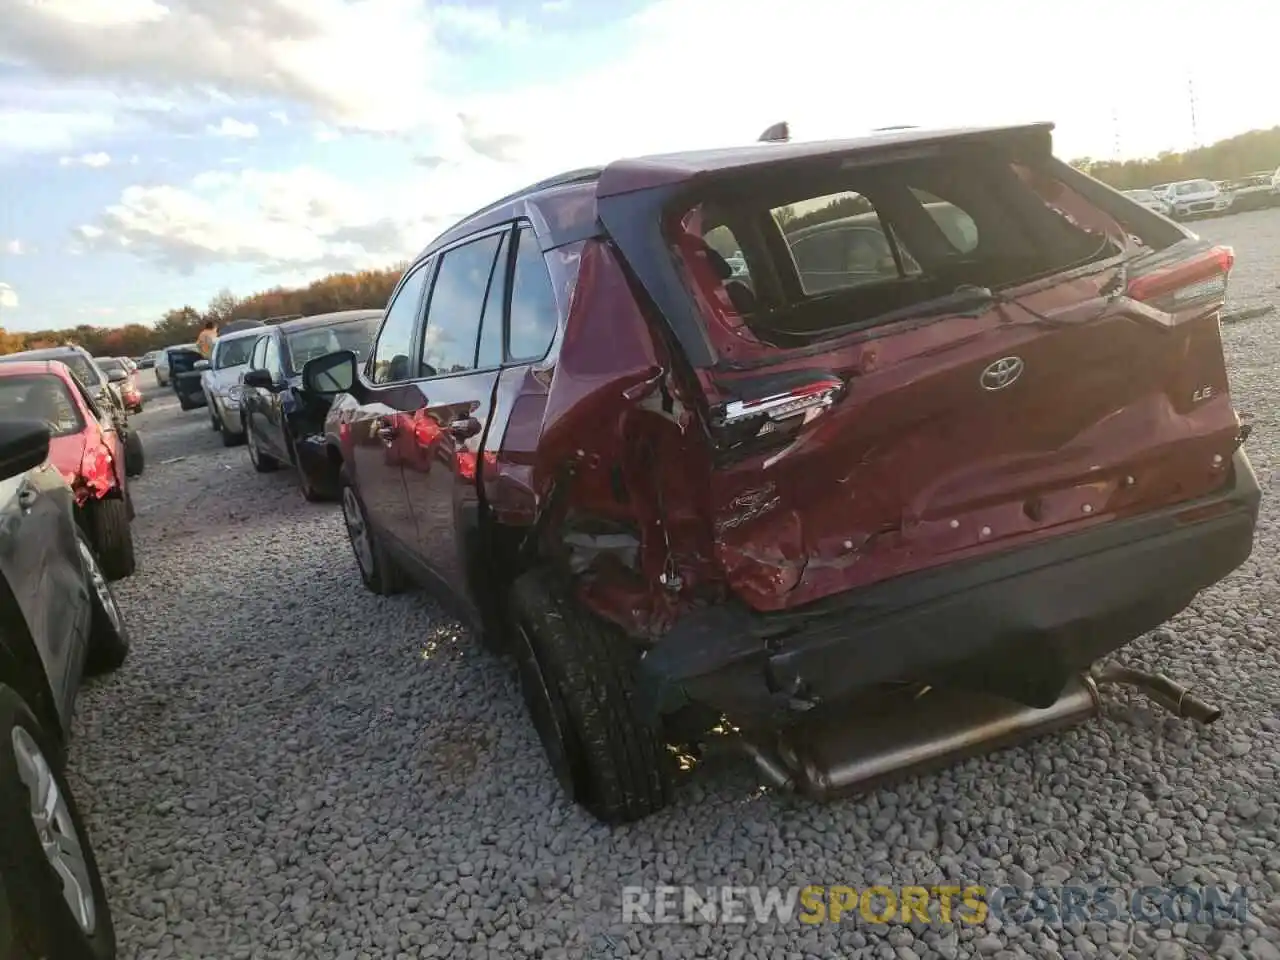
{"x": 1257, "y": 151}
{"x": 338, "y": 291}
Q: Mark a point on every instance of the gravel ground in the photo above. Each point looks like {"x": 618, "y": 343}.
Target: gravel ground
{"x": 290, "y": 767}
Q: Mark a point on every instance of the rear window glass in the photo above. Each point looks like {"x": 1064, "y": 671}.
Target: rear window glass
{"x": 110, "y": 364}
{"x": 42, "y": 397}
{"x": 840, "y": 249}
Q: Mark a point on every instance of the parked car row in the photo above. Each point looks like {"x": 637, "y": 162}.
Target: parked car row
{"x": 1197, "y": 198}
{"x": 65, "y": 534}
{"x": 893, "y": 458}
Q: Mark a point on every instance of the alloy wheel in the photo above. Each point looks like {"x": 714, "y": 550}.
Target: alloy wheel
{"x": 98, "y": 584}
{"x": 59, "y": 839}
{"x": 357, "y": 530}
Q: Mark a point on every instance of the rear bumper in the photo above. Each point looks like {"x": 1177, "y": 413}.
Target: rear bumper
{"x": 1017, "y": 624}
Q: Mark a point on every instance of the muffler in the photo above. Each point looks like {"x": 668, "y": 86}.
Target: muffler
{"x": 1173, "y": 696}
{"x": 825, "y": 757}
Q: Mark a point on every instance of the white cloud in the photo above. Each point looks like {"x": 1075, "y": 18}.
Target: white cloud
{"x": 280, "y": 117}
{"x": 14, "y": 248}
{"x": 364, "y": 63}
{"x": 555, "y": 6}
{"x": 300, "y": 219}
{"x": 8, "y": 297}
{"x": 238, "y": 129}
{"x": 40, "y": 130}
{"x": 96, "y": 160}
{"x": 480, "y": 23}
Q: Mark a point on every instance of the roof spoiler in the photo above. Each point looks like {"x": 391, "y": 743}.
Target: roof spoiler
{"x": 778, "y": 133}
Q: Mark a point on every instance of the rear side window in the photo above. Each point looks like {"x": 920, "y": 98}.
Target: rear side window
{"x": 258, "y": 356}
{"x": 457, "y": 303}
{"x": 534, "y": 314}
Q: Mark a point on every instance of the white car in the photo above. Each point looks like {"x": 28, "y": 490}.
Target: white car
{"x": 1190, "y": 198}
{"x": 1149, "y": 199}
{"x": 161, "y": 367}
{"x": 1275, "y": 181}
{"x": 221, "y": 381}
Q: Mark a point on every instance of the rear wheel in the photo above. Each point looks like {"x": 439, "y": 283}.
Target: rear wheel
{"x": 135, "y": 460}
{"x": 112, "y": 537}
{"x": 262, "y": 462}
{"x": 52, "y": 902}
{"x": 108, "y": 637}
{"x": 378, "y": 569}
{"x": 577, "y": 677}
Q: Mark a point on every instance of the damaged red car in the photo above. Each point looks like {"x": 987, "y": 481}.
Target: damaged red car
{"x": 87, "y": 450}
{"x": 869, "y": 452}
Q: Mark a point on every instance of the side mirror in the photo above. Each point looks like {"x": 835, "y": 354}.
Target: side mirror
{"x": 331, "y": 374}
{"x": 117, "y": 376}
{"x": 261, "y": 379}
{"x": 24, "y": 444}
{"x": 200, "y": 365}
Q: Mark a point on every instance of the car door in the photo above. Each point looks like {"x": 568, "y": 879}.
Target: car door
{"x": 249, "y": 396}
{"x": 459, "y": 372}
{"x": 377, "y": 426}
{"x": 270, "y": 405}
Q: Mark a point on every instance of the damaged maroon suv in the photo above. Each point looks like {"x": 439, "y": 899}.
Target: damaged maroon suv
{"x": 866, "y": 451}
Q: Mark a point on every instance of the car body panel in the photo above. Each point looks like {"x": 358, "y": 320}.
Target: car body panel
{"x": 40, "y": 559}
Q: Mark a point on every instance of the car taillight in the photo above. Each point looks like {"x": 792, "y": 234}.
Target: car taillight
{"x": 1201, "y": 279}
{"x": 758, "y": 423}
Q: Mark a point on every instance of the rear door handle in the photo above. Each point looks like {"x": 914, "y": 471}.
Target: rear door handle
{"x": 464, "y": 429}
{"x": 386, "y": 429}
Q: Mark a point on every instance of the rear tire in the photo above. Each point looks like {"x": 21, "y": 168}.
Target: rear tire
{"x": 108, "y": 636}
{"x": 112, "y": 537}
{"x": 36, "y": 919}
{"x": 577, "y": 674}
{"x": 135, "y": 460}
{"x": 378, "y": 569}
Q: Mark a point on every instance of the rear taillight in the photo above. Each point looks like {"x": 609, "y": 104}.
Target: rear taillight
{"x": 1197, "y": 281}
{"x": 757, "y": 424}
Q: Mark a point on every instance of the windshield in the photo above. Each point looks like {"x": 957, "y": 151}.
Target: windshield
{"x": 232, "y": 353}
{"x": 1195, "y": 186}
{"x": 42, "y": 397}
{"x": 355, "y": 335}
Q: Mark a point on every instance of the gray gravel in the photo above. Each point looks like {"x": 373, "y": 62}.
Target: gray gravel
{"x": 289, "y": 767}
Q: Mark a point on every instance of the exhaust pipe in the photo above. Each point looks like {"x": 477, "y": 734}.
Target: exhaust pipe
{"x": 823, "y": 758}
{"x": 1174, "y": 697}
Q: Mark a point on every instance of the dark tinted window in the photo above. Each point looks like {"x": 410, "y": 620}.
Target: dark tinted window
{"x": 353, "y": 335}
{"x": 457, "y": 302}
{"x": 42, "y": 397}
{"x": 391, "y": 355}
{"x": 490, "y": 351}
{"x": 533, "y": 302}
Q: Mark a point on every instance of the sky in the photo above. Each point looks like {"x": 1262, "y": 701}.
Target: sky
{"x": 154, "y": 152}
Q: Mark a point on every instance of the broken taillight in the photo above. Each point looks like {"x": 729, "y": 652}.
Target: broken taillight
{"x": 777, "y": 414}
{"x": 1198, "y": 280}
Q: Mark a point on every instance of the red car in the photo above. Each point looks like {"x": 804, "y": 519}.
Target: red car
{"x": 86, "y": 448}
{"x": 802, "y": 435}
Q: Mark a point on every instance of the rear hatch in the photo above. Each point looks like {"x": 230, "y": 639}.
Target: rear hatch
{"x": 933, "y": 356}
{"x": 183, "y": 375}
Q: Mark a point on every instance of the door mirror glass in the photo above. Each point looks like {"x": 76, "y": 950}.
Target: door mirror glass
{"x": 331, "y": 374}
{"x": 24, "y": 444}
{"x": 258, "y": 378}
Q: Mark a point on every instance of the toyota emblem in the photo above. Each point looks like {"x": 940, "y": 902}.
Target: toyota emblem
{"x": 1002, "y": 373}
